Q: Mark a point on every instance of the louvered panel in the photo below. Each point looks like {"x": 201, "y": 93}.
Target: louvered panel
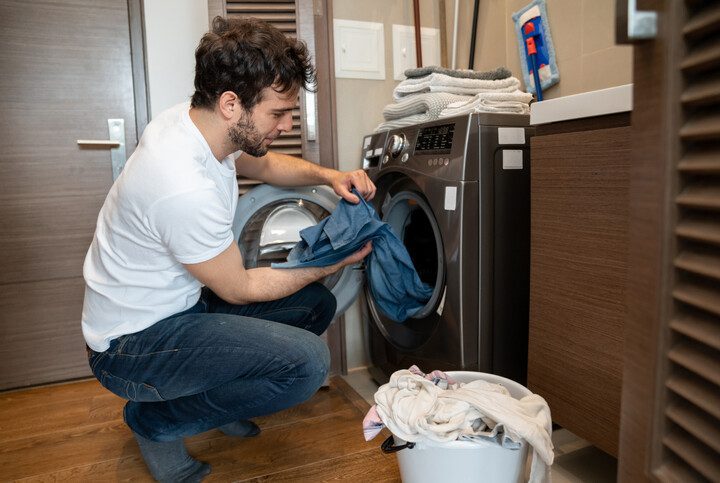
{"x": 694, "y": 453}
{"x": 697, "y": 295}
{"x": 697, "y": 391}
{"x": 696, "y": 358}
{"x": 703, "y": 93}
{"x": 703, "y": 25}
{"x": 701, "y": 128}
{"x": 702, "y": 60}
{"x": 699, "y": 424}
{"x": 700, "y": 196}
{"x": 703, "y": 229}
{"x": 702, "y": 328}
{"x": 692, "y": 431}
{"x": 706, "y": 264}
{"x": 283, "y": 16}
{"x": 673, "y": 471}
{"x": 702, "y": 162}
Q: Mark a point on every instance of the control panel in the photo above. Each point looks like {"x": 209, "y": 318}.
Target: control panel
{"x": 435, "y": 139}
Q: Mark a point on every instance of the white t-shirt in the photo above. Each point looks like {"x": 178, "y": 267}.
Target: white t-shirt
{"x": 173, "y": 204}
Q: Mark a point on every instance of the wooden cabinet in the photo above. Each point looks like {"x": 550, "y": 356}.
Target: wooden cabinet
{"x": 578, "y": 269}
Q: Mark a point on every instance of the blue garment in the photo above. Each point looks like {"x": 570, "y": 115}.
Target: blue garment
{"x": 395, "y": 285}
{"x": 216, "y": 363}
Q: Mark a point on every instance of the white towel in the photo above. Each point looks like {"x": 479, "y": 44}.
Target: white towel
{"x": 517, "y": 102}
{"x": 417, "y": 109}
{"x": 437, "y": 82}
{"x": 415, "y": 409}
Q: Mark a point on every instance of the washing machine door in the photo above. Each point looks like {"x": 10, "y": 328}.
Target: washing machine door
{"x": 402, "y": 204}
{"x": 267, "y": 226}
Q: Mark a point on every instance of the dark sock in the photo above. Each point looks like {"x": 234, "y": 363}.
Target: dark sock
{"x": 170, "y": 461}
{"x": 242, "y": 428}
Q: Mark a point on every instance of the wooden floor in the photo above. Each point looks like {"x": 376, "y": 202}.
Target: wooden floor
{"x": 75, "y": 432}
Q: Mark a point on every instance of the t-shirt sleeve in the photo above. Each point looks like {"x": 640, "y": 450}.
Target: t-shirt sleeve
{"x": 194, "y": 226}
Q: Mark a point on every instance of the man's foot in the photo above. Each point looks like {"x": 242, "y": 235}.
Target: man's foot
{"x": 242, "y": 428}
{"x": 170, "y": 461}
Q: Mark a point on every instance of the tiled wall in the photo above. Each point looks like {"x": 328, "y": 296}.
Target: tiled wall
{"x": 583, "y": 33}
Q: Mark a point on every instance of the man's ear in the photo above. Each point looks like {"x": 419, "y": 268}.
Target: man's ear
{"x": 228, "y": 104}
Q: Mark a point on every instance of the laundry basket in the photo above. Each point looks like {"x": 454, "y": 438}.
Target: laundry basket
{"x": 462, "y": 461}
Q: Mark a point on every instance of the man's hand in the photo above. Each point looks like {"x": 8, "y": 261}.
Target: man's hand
{"x": 343, "y": 182}
{"x": 354, "y": 258}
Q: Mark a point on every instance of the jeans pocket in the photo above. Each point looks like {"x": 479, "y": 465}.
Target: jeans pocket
{"x": 133, "y": 391}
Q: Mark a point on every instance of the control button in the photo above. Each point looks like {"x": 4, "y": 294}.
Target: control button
{"x": 405, "y": 157}
{"x": 429, "y": 162}
{"x": 368, "y": 153}
{"x": 385, "y": 159}
{"x": 397, "y": 143}
{"x": 447, "y": 161}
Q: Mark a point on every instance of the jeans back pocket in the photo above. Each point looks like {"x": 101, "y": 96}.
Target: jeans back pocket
{"x": 133, "y": 391}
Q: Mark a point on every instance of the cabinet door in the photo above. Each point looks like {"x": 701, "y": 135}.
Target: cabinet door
{"x": 578, "y": 261}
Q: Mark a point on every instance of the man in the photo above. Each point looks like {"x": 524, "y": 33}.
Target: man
{"x": 187, "y": 358}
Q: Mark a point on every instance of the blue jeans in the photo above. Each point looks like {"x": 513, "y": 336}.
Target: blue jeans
{"x": 216, "y": 363}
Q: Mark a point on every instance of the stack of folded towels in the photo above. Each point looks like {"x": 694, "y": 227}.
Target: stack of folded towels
{"x": 430, "y": 93}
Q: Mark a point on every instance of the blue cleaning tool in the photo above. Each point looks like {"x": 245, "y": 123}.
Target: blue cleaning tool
{"x": 535, "y": 46}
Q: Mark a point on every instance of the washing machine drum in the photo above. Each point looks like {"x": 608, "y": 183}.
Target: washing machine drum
{"x": 267, "y": 226}
{"x": 402, "y": 205}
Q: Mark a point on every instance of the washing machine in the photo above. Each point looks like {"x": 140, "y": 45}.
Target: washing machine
{"x": 456, "y": 192}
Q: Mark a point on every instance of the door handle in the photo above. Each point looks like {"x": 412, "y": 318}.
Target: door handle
{"x": 631, "y": 24}
{"x": 116, "y": 144}
{"x": 98, "y": 143}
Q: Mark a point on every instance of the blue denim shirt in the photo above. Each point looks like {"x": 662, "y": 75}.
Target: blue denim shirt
{"x": 395, "y": 285}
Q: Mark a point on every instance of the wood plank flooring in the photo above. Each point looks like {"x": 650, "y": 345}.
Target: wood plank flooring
{"x": 75, "y": 432}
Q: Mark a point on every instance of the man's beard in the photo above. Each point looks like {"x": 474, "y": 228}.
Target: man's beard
{"x": 246, "y": 138}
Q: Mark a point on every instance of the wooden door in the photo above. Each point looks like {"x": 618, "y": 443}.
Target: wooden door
{"x": 670, "y": 423}
{"x": 66, "y": 69}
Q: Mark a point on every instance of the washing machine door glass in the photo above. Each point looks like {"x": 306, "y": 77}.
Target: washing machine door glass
{"x": 267, "y": 226}
{"x": 403, "y": 206}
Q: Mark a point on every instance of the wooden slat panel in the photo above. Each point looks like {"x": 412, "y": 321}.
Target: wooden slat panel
{"x": 695, "y": 454}
{"x": 698, "y": 228}
{"x": 700, "y": 196}
{"x": 697, "y": 358}
{"x": 699, "y": 424}
{"x": 701, "y": 128}
{"x": 697, "y": 391}
{"x": 707, "y": 21}
{"x": 701, "y": 328}
{"x": 702, "y": 297}
{"x": 702, "y": 59}
{"x": 706, "y": 263}
{"x": 260, "y": 7}
{"x": 702, "y": 93}
{"x": 700, "y": 162}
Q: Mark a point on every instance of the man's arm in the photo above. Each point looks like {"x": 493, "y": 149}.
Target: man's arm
{"x": 283, "y": 170}
{"x": 227, "y": 277}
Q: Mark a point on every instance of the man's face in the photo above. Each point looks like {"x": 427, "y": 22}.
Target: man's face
{"x": 255, "y": 130}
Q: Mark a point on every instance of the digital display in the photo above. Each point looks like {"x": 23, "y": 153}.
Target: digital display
{"x": 435, "y": 139}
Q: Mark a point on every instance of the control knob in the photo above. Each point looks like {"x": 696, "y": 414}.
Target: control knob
{"x": 397, "y": 144}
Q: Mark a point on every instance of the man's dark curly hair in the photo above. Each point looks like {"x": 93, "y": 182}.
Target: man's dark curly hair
{"x": 245, "y": 56}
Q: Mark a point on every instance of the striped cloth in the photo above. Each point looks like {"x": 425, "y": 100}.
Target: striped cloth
{"x": 417, "y": 109}
{"x": 444, "y": 83}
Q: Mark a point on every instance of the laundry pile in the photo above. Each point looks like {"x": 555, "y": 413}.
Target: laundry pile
{"x": 417, "y": 407}
{"x": 430, "y": 93}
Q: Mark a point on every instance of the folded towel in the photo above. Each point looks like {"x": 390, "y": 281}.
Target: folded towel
{"x": 417, "y": 109}
{"x": 499, "y": 73}
{"x": 517, "y": 102}
{"x": 443, "y": 83}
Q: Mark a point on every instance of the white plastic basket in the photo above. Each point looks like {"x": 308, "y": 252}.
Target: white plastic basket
{"x": 462, "y": 461}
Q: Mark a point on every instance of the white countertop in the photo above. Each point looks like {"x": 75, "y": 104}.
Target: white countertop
{"x": 587, "y": 104}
